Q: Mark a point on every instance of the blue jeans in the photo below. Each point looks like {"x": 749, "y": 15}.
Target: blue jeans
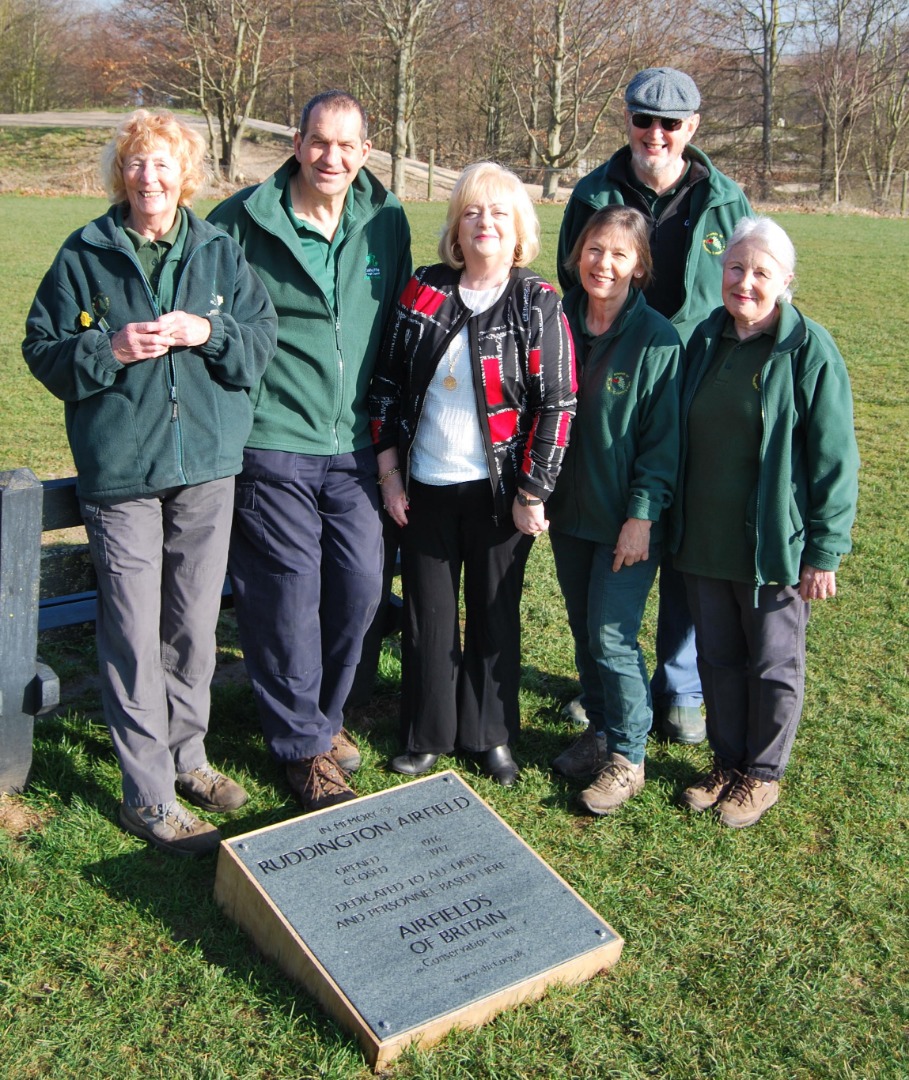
{"x": 675, "y": 679}
{"x": 306, "y": 569}
{"x": 605, "y": 609}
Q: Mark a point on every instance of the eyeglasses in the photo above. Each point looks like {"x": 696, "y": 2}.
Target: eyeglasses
{"x": 645, "y": 120}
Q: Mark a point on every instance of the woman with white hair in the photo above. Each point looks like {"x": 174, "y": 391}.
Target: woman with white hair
{"x": 471, "y": 403}
{"x": 768, "y": 488}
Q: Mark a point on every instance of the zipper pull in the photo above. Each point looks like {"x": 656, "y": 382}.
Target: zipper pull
{"x": 174, "y": 407}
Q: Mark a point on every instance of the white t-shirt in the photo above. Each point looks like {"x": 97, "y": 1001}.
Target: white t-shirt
{"x": 448, "y": 447}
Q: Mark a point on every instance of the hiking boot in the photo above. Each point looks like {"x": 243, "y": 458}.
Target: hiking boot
{"x": 617, "y": 782}
{"x": 317, "y": 782}
{"x": 211, "y": 790}
{"x": 746, "y": 800}
{"x": 586, "y": 755}
{"x": 680, "y": 724}
{"x": 170, "y": 827}
{"x": 708, "y": 789}
{"x": 575, "y": 713}
{"x": 344, "y": 751}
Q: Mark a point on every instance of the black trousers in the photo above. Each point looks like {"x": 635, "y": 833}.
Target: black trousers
{"x": 455, "y": 695}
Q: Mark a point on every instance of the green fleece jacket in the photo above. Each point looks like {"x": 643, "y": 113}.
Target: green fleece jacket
{"x": 623, "y": 456}
{"x": 140, "y": 428}
{"x": 717, "y": 204}
{"x": 804, "y": 505}
{"x": 313, "y": 397}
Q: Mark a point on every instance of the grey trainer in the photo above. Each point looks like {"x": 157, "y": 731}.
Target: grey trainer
{"x": 170, "y": 827}
{"x": 681, "y": 724}
{"x": 617, "y": 782}
{"x": 213, "y": 791}
{"x": 586, "y": 755}
{"x": 575, "y": 713}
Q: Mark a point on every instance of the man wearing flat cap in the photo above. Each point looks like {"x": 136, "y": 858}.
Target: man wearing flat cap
{"x": 692, "y": 209}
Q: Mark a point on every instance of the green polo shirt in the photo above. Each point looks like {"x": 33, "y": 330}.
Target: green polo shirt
{"x": 725, "y": 428}
{"x": 159, "y": 258}
{"x": 319, "y": 253}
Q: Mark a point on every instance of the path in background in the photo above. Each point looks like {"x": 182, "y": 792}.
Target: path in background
{"x": 258, "y": 158}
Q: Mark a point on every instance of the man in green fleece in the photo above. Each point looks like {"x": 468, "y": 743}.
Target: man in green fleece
{"x": 332, "y": 247}
{"x": 692, "y": 209}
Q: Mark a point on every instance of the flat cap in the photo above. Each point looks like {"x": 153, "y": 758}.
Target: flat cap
{"x": 663, "y": 91}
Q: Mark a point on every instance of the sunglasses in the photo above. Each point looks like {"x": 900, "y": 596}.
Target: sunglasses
{"x": 645, "y": 120}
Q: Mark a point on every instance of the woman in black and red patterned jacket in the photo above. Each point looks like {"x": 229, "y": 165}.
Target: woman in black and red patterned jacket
{"x": 471, "y": 404}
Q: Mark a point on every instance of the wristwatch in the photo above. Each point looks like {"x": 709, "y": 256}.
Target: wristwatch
{"x": 525, "y": 500}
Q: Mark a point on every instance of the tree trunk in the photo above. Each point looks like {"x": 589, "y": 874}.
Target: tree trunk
{"x": 551, "y": 182}
{"x": 399, "y": 128}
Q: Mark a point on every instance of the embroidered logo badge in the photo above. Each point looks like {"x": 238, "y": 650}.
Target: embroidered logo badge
{"x": 619, "y": 382}
{"x": 373, "y": 270}
{"x": 714, "y": 243}
{"x": 101, "y": 306}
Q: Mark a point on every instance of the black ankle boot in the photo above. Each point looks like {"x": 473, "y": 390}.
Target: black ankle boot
{"x": 499, "y": 764}
{"x": 411, "y": 764}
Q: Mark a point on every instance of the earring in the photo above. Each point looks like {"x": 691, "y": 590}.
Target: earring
{"x": 518, "y": 252}
{"x": 457, "y": 251}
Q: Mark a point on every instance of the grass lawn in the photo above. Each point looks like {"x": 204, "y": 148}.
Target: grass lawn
{"x": 778, "y": 951}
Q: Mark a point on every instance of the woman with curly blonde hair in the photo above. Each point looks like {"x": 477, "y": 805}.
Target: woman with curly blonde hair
{"x": 151, "y": 328}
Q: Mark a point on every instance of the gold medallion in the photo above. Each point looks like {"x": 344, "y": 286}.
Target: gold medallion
{"x": 450, "y": 382}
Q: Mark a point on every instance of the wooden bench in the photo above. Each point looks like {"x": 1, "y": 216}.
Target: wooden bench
{"x": 55, "y": 587}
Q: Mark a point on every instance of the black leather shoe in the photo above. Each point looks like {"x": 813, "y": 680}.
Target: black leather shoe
{"x": 413, "y": 764}
{"x": 499, "y": 764}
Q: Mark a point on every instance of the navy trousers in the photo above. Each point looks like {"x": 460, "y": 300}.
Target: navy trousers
{"x": 306, "y": 571}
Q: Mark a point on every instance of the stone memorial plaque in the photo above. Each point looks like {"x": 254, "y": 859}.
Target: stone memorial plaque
{"x": 411, "y": 911}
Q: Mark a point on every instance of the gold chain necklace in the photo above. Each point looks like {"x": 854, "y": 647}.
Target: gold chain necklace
{"x": 450, "y": 382}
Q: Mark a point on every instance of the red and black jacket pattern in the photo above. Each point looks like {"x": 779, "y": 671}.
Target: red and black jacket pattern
{"x": 522, "y": 358}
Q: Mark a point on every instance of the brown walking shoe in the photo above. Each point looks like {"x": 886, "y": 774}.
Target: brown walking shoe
{"x": 170, "y": 827}
{"x": 708, "y": 789}
{"x": 344, "y": 751}
{"x": 746, "y": 800}
{"x": 213, "y": 791}
{"x": 586, "y": 755}
{"x": 317, "y": 782}
{"x": 616, "y": 783}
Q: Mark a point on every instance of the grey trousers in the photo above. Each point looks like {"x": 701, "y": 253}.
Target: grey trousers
{"x": 160, "y": 562}
{"x": 751, "y": 661}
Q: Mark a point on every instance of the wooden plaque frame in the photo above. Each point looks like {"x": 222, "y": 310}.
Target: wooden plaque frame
{"x": 247, "y": 865}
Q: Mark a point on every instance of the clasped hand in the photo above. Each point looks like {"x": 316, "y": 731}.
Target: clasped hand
{"x": 147, "y": 340}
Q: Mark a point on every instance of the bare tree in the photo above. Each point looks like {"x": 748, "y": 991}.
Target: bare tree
{"x": 755, "y": 33}
{"x": 31, "y": 50}
{"x": 576, "y": 54}
{"x": 403, "y": 25}
{"x": 213, "y": 53}
{"x": 844, "y": 76}
{"x": 885, "y": 151}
